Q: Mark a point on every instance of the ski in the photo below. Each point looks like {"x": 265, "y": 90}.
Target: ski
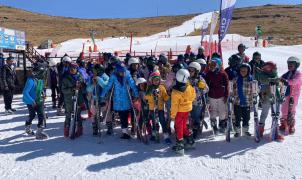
{"x": 275, "y": 111}
{"x": 155, "y": 116}
{"x": 229, "y": 122}
{"x": 74, "y": 115}
{"x": 255, "y": 109}
{"x": 203, "y": 111}
{"x": 290, "y": 115}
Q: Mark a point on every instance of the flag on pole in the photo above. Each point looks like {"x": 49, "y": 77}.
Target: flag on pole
{"x": 226, "y": 13}
{"x": 215, "y": 16}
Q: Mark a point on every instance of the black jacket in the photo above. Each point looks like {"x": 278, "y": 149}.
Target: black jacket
{"x": 9, "y": 77}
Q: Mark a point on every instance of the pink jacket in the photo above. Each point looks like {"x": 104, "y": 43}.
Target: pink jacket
{"x": 296, "y": 82}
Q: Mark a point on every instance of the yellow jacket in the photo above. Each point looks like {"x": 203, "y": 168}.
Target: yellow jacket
{"x": 182, "y": 101}
{"x": 162, "y": 97}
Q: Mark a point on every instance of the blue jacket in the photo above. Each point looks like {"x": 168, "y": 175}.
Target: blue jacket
{"x": 121, "y": 99}
{"x": 29, "y": 91}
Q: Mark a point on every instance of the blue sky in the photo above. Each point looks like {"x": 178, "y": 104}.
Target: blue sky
{"x": 128, "y": 8}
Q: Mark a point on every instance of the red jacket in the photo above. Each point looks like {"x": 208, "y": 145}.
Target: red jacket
{"x": 218, "y": 83}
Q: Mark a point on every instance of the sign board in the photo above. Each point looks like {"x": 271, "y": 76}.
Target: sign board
{"x": 12, "y": 39}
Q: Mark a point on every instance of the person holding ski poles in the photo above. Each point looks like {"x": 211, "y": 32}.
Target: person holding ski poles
{"x": 120, "y": 82}
{"x": 292, "y": 79}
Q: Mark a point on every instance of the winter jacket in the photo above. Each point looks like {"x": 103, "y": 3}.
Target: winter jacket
{"x": 218, "y": 83}
{"x": 164, "y": 71}
{"x": 199, "y": 92}
{"x": 264, "y": 80}
{"x": 182, "y": 101}
{"x": 295, "y": 83}
{"x": 244, "y": 58}
{"x": 121, "y": 99}
{"x": 84, "y": 74}
{"x": 102, "y": 81}
{"x": 242, "y": 91}
{"x": 232, "y": 73}
{"x": 69, "y": 84}
{"x": 9, "y": 77}
{"x": 162, "y": 98}
{"x": 53, "y": 77}
{"x": 31, "y": 88}
{"x": 254, "y": 64}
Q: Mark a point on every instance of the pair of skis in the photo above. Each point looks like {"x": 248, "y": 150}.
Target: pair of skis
{"x": 74, "y": 115}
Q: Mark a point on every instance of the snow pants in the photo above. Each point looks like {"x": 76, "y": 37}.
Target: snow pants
{"x": 180, "y": 126}
{"x": 218, "y": 108}
{"x": 242, "y": 114}
{"x": 8, "y": 98}
{"x": 38, "y": 109}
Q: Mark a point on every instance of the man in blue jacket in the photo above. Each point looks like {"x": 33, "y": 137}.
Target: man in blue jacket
{"x": 32, "y": 97}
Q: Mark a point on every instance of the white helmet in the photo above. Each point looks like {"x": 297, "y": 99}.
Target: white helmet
{"x": 195, "y": 65}
{"x": 133, "y": 61}
{"x": 201, "y": 61}
{"x": 182, "y": 75}
{"x": 66, "y": 59}
{"x": 294, "y": 59}
{"x": 140, "y": 81}
{"x": 52, "y": 62}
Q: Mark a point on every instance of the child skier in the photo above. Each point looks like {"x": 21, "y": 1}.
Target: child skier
{"x": 72, "y": 81}
{"x": 293, "y": 78}
{"x": 32, "y": 97}
{"x": 201, "y": 89}
{"x": 121, "y": 81}
{"x": 156, "y": 96}
{"x": 266, "y": 75}
{"x": 183, "y": 95}
{"x": 243, "y": 99}
{"x": 218, "y": 83}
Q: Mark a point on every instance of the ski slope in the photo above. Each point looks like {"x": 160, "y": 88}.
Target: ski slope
{"x": 23, "y": 157}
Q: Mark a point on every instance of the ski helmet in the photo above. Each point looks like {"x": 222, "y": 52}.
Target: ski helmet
{"x": 256, "y": 54}
{"x": 133, "y": 61}
{"x": 66, "y": 59}
{"x": 294, "y": 60}
{"x": 195, "y": 65}
{"x": 269, "y": 67}
{"x": 98, "y": 69}
{"x": 234, "y": 60}
{"x": 218, "y": 62}
{"x": 182, "y": 75}
{"x": 39, "y": 70}
{"x": 140, "y": 81}
{"x": 162, "y": 59}
{"x": 202, "y": 62}
{"x": 114, "y": 60}
{"x": 176, "y": 67}
{"x": 151, "y": 61}
{"x": 245, "y": 65}
{"x": 180, "y": 57}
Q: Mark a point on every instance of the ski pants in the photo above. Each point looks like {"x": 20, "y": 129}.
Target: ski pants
{"x": 54, "y": 94}
{"x": 285, "y": 107}
{"x": 218, "y": 108}
{"x": 196, "y": 115}
{"x": 8, "y": 98}
{"x": 180, "y": 126}
{"x": 124, "y": 118}
{"x": 38, "y": 109}
{"x": 242, "y": 114}
{"x": 266, "y": 106}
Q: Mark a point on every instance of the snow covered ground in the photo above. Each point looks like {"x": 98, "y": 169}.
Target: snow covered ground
{"x": 23, "y": 157}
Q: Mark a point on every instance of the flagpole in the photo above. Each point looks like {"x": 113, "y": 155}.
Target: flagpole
{"x": 219, "y": 31}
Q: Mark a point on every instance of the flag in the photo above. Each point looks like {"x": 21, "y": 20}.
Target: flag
{"x": 214, "y": 20}
{"x": 204, "y": 29}
{"x": 226, "y": 13}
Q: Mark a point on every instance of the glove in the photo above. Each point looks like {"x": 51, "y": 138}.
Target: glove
{"x": 202, "y": 85}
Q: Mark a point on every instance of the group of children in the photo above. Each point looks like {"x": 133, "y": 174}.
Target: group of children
{"x": 152, "y": 92}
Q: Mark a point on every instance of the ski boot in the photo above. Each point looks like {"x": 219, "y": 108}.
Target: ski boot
{"x": 60, "y": 112}
{"x": 214, "y": 126}
{"x": 109, "y": 128}
{"x": 189, "y": 142}
{"x": 222, "y": 126}
{"x": 292, "y": 128}
{"x": 40, "y": 134}
{"x": 178, "y": 148}
{"x": 9, "y": 112}
{"x": 79, "y": 131}
{"x": 237, "y": 131}
{"x": 282, "y": 124}
{"x": 125, "y": 134}
{"x": 246, "y": 131}
{"x": 167, "y": 138}
{"x": 28, "y": 130}
{"x": 196, "y": 130}
{"x": 261, "y": 129}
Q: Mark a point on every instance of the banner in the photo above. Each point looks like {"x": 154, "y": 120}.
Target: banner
{"x": 214, "y": 20}
{"x": 226, "y": 13}
{"x": 12, "y": 39}
{"x": 204, "y": 29}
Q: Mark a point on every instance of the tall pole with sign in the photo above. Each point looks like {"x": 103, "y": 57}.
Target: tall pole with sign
{"x": 226, "y": 13}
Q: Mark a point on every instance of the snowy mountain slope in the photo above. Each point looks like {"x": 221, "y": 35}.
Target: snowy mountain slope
{"x": 23, "y": 157}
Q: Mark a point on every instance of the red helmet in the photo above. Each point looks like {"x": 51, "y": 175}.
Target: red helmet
{"x": 269, "y": 67}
